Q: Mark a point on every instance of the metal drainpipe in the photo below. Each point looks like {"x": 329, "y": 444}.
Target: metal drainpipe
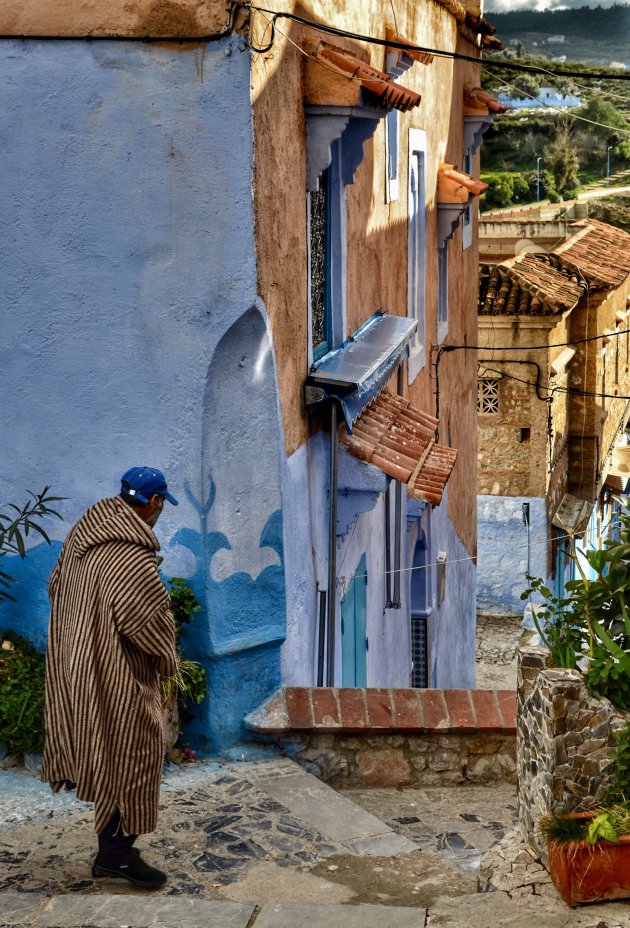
{"x": 332, "y": 549}
{"x": 397, "y": 519}
{"x": 321, "y": 645}
{"x": 388, "y": 552}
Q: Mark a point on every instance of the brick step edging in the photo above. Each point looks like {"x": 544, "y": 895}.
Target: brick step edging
{"x": 374, "y": 710}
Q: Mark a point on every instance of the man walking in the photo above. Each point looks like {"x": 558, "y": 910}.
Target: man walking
{"x": 111, "y": 636}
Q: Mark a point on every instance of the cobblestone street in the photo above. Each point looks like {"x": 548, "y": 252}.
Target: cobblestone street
{"x": 261, "y": 844}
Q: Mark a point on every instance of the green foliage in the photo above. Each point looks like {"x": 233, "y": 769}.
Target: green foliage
{"x": 16, "y": 526}
{"x": 189, "y": 684}
{"x": 22, "y": 684}
{"x": 603, "y": 826}
{"x": 184, "y": 603}
{"x": 562, "y": 827}
{"x": 592, "y": 622}
{"x": 599, "y": 110}
{"x": 562, "y": 158}
{"x": 620, "y": 787}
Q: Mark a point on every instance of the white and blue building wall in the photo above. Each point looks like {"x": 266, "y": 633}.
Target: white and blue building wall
{"x": 133, "y": 334}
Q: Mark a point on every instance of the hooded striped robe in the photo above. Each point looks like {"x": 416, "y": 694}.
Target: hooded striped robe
{"x": 111, "y": 635}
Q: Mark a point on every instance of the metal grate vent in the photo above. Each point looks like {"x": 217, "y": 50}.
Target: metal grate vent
{"x": 419, "y": 652}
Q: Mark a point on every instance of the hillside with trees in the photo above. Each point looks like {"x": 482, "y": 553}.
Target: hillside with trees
{"x": 575, "y": 147}
{"x": 595, "y": 35}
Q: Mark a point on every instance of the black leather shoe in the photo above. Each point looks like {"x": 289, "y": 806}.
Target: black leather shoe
{"x": 135, "y": 870}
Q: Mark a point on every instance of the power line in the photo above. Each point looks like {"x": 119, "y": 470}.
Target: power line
{"x": 581, "y": 341}
{"x": 572, "y": 390}
{"x": 440, "y": 53}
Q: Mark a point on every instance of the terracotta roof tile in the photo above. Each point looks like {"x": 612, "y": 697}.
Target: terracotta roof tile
{"x": 415, "y": 53}
{"x": 601, "y": 253}
{"x": 532, "y": 284}
{"x": 384, "y": 87}
{"x": 455, "y": 8}
{"x": 400, "y": 440}
{"x": 477, "y": 101}
{"x": 455, "y": 186}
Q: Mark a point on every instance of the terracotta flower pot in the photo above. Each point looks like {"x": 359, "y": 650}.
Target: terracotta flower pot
{"x": 584, "y": 872}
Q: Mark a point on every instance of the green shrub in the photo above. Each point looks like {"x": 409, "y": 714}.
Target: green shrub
{"x": 22, "y": 684}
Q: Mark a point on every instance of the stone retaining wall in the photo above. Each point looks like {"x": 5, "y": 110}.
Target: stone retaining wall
{"x": 565, "y": 740}
{"x": 404, "y": 760}
{"x": 393, "y": 737}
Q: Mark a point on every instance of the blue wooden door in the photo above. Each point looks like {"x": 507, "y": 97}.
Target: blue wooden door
{"x": 353, "y": 629}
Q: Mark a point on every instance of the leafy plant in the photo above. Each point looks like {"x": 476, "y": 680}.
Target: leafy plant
{"x": 189, "y": 683}
{"x": 22, "y": 683}
{"x": 563, "y": 828}
{"x": 592, "y": 621}
{"x": 16, "y": 527}
{"x": 184, "y": 603}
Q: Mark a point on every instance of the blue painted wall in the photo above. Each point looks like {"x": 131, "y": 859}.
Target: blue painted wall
{"x": 128, "y": 258}
{"x": 508, "y": 551}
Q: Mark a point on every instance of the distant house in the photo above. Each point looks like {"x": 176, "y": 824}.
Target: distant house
{"x": 547, "y": 96}
{"x": 554, "y": 377}
{"x": 555, "y": 40}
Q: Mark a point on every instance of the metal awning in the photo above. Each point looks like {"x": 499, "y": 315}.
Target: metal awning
{"x": 356, "y": 371}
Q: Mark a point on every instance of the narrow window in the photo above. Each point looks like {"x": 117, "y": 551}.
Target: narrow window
{"x": 319, "y": 240}
{"x": 467, "y": 218}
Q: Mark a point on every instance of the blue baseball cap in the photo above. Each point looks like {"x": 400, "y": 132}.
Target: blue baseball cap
{"x": 144, "y": 482}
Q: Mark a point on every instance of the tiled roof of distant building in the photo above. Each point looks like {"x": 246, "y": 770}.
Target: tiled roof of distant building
{"x": 531, "y": 285}
{"x": 599, "y": 251}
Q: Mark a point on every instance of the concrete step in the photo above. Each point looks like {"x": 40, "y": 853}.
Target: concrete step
{"x": 138, "y": 911}
{"x": 327, "y": 811}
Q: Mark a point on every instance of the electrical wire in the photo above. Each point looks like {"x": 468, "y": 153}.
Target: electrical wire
{"x": 572, "y": 390}
{"x": 580, "y": 341}
{"x": 459, "y": 560}
{"x": 407, "y": 46}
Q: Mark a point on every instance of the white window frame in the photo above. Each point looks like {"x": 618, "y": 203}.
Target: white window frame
{"x": 416, "y": 249}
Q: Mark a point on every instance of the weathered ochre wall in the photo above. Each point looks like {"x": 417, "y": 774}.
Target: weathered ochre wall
{"x": 115, "y": 17}
{"x": 376, "y": 230}
{"x": 507, "y": 465}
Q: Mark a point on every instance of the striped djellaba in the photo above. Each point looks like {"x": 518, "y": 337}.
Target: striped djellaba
{"x": 111, "y": 635}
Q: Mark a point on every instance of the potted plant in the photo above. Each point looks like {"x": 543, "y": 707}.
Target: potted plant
{"x": 588, "y": 851}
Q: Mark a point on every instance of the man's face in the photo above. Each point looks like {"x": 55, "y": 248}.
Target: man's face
{"x": 154, "y": 509}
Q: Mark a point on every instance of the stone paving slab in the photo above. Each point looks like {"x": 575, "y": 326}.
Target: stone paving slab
{"x": 340, "y": 916}
{"x": 18, "y": 908}
{"x": 75, "y": 911}
{"x": 328, "y": 812}
{"x": 490, "y": 910}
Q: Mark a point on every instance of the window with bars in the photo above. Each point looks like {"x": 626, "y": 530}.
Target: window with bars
{"x": 319, "y": 239}
{"x": 420, "y": 651}
{"x": 487, "y": 396}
